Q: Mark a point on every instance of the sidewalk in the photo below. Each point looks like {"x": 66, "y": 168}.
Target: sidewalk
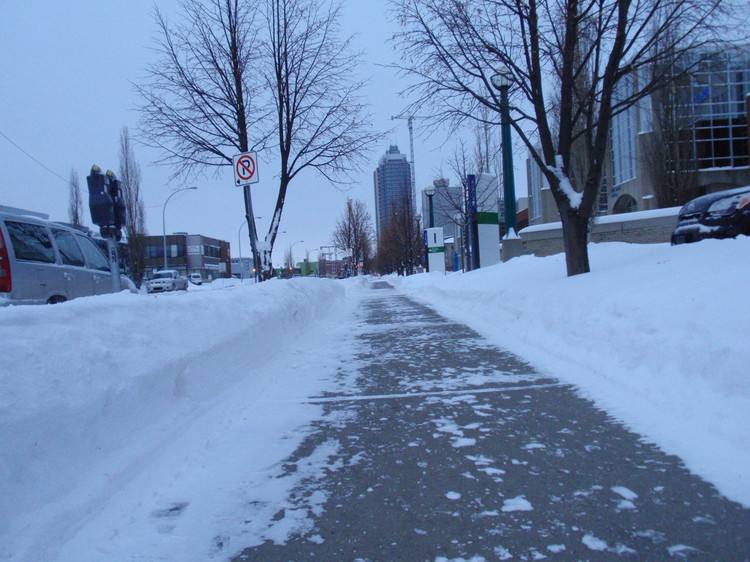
{"x": 451, "y": 449}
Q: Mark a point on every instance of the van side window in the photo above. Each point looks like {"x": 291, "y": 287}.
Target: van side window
{"x": 30, "y": 242}
{"x": 68, "y": 247}
{"x": 94, "y": 257}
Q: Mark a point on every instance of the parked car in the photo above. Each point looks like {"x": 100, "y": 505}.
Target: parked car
{"x": 166, "y": 280}
{"x": 196, "y": 279}
{"x": 724, "y": 214}
{"x": 47, "y": 262}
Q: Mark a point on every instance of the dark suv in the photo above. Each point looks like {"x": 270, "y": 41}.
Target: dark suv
{"x": 724, "y": 214}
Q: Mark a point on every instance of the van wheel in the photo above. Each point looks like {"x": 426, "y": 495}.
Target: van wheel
{"x": 57, "y": 299}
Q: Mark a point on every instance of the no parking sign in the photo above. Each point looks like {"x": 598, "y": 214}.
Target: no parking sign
{"x": 245, "y": 167}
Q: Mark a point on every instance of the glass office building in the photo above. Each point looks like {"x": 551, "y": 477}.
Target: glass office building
{"x": 393, "y": 189}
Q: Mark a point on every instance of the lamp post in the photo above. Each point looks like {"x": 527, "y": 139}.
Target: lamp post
{"x": 502, "y": 83}
{"x": 164, "y": 219}
{"x": 430, "y": 193}
{"x": 291, "y": 251}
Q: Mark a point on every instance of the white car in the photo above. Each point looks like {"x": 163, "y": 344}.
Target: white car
{"x": 166, "y": 280}
{"x": 196, "y": 279}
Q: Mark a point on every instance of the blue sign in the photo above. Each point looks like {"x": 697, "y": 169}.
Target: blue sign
{"x": 471, "y": 181}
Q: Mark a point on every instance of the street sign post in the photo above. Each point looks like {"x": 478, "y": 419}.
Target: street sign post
{"x": 245, "y": 167}
{"x": 435, "y": 249}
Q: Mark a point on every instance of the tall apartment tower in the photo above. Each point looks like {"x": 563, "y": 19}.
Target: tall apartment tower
{"x": 393, "y": 189}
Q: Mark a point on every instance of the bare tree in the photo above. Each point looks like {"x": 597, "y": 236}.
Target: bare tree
{"x": 566, "y": 58}
{"x": 400, "y": 244}
{"x": 197, "y": 97}
{"x": 75, "y": 200}
{"x": 288, "y": 262}
{"x": 135, "y": 229}
{"x": 670, "y": 161}
{"x": 353, "y": 232}
{"x": 321, "y": 122}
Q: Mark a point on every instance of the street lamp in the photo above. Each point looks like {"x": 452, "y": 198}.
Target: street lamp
{"x": 291, "y": 251}
{"x": 501, "y": 81}
{"x": 430, "y": 193}
{"x": 164, "y": 219}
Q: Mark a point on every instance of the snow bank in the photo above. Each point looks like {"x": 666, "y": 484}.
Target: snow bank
{"x": 655, "y": 335}
{"x": 81, "y": 381}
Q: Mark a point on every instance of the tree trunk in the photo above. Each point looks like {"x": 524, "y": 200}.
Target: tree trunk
{"x": 575, "y": 238}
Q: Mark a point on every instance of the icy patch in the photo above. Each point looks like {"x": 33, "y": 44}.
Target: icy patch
{"x": 453, "y": 496}
{"x": 624, "y": 492}
{"x": 502, "y": 553}
{"x": 519, "y": 503}
{"x": 460, "y": 442}
{"x": 480, "y": 460}
{"x": 594, "y": 543}
{"x": 625, "y": 505}
{"x": 531, "y": 446}
{"x": 681, "y": 550}
{"x": 317, "y": 539}
{"x": 556, "y": 548}
{"x": 448, "y": 426}
{"x": 654, "y": 536}
{"x": 622, "y": 549}
{"x": 472, "y": 559}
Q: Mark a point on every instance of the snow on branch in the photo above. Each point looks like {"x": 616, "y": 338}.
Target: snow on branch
{"x": 574, "y": 197}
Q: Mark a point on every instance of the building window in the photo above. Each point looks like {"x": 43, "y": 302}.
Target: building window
{"x": 713, "y": 101}
{"x": 211, "y": 251}
{"x": 538, "y": 182}
{"x": 623, "y": 134}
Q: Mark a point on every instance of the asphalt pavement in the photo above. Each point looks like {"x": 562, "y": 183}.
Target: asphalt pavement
{"x": 447, "y": 448}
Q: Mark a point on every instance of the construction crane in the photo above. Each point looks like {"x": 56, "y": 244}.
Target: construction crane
{"x": 410, "y": 121}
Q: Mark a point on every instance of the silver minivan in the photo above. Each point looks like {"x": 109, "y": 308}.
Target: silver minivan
{"x": 46, "y": 262}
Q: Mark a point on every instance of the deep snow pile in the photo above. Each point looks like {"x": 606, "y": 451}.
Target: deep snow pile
{"x": 93, "y": 390}
{"x": 655, "y": 335}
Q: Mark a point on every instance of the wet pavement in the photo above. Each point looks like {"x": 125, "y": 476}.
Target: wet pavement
{"x": 442, "y": 447}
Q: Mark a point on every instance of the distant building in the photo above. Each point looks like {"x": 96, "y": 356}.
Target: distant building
{"x": 393, "y": 189}
{"x": 242, "y": 268}
{"x": 447, "y": 203}
{"x": 189, "y": 253}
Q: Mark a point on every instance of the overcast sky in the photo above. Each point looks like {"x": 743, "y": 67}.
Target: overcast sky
{"x": 66, "y": 70}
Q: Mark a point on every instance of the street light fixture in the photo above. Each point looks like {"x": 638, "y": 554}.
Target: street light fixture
{"x": 291, "y": 251}
{"x": 501, "y": 81}
{"x": 164, "y": 219}
{"x": 430, "y": 193}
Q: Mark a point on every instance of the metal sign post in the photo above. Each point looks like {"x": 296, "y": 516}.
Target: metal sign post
{"x": 245, "y": 166}
{"x": 114, "y": 264}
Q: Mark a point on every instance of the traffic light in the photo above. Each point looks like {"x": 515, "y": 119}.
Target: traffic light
{"x": 100, "y": 201}
{"x": 115, "y": 191}
{"x": 106, "y": 202}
